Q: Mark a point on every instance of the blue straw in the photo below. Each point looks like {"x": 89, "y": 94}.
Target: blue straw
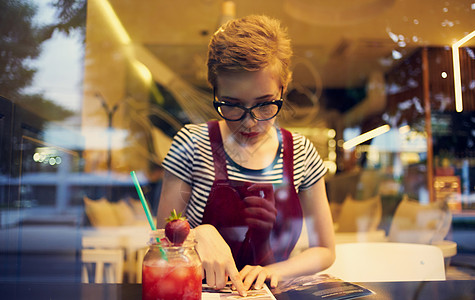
{"x": 146, "y": 209}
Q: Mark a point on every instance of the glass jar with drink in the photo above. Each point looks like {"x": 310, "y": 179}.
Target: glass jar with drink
{"x": 171, "y": 271}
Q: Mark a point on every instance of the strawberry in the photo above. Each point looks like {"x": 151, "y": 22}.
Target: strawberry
{"x": 177, "y": 228}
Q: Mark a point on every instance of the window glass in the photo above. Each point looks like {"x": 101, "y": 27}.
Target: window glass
{"x": 92, "y": 90}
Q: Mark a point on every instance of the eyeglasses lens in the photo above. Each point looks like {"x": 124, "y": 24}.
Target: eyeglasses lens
{"x": 265, "y": 111}
{"x": 262, "y": 112}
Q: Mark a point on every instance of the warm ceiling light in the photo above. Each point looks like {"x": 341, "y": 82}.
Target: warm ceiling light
{"x": 365, "y": 136}
{"x": 110, "y": 15}
{"x": 396, "y": 54}
{"x": 404, "y": 129}
{"x": 228, "y": 12}
{"x": 143, "y": 71}
{"x": 456, "y": 63}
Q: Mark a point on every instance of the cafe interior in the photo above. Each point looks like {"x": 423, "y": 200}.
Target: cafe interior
{"x": 384, "y": 89}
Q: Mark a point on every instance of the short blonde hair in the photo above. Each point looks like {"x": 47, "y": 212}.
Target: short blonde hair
{"x": 250, "y": 44}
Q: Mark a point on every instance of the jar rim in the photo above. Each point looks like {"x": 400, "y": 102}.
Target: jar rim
{"x": 186, "y": 244}
{"x": 159, "y": 234}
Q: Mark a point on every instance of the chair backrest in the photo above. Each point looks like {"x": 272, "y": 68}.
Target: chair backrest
{"x": 341, "y": 185}
{"x": 414, "y": 222}
{"x": 368, "y": 184}
{"x": 386, "y": 261}
{"x": 104, "y": 241}
{"x": 106, "y": 264}
{"x": 360, "y": 215}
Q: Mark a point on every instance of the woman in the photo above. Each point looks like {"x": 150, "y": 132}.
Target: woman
{"x": 250, "y": 189}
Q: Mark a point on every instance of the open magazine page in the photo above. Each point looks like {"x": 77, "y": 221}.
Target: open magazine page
{"x": 321, "y": 286}
{"x": 227, "y": 293}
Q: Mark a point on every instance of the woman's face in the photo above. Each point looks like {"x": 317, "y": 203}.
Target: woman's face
{"x": 249, "y": 89}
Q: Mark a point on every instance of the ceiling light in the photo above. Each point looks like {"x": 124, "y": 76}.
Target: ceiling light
{"x": 114, "y": 21}
{"x": 228, "y": 12}
{"x": 404, "y": 129}
{"x": 143, "y": 71}
{"x": 365, "y": 137}
{"x": 456, "y": 63}
{"x": 396, "y": 54}
{"x": 392, "y": 35}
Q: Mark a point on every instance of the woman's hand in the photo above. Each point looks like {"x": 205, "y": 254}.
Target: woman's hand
{"x": 260, "y": 212}
{"x": 258, "y": 275}
{"x": 216, "y": 259}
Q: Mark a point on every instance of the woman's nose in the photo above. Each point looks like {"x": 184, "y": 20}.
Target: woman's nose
{"x": 248, "y": 120}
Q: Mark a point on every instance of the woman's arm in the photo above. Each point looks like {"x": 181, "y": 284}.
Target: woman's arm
{"x": 321, "y": 253}
{"x": 214, "y": 252}
{"x": 175, "y": 194}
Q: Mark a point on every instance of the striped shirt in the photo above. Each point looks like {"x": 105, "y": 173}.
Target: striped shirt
{"x": 190, "y": 159}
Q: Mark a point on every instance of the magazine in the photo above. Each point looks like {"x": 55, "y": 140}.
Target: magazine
{"x": 315, "y": 287}
{"x": 322, "y": 286}
{"x": 209, "y": 293}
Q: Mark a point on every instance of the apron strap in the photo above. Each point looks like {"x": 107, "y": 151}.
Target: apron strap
{"x": 217, "y": 148}
{"x": 288, "y": 156}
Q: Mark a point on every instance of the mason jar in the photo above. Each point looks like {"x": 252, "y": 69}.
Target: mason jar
{"x": 170, "y": 271}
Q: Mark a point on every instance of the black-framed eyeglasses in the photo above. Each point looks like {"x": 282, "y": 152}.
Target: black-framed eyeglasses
{"x": 235, "y": 112}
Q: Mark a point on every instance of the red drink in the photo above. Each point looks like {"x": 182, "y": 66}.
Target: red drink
{"x": 171, "y": 272}
{"x": 164, "y": 280}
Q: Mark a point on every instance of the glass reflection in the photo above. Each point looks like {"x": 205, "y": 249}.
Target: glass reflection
{"x": 94, "y": 89}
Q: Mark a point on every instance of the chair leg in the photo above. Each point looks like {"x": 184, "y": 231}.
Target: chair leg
{"x": 84, "y": 275}
{"x": 109, "y": 273}
{"x": 119, "y": 273}
{"x": 108, "y": 263}
{"x": 99, "y": 272}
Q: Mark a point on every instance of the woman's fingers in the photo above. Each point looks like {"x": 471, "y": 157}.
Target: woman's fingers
{"x": 217, "y": 259}
{"x": 253, "y": 274}
{"x": 210, "y": 276}
{"x": 258, "y": 275}
{"x": 260, "y": 213}
{"x": 274, "y": 281}
{"x": 236, "y": 280}
{"x": 220, "y": 276}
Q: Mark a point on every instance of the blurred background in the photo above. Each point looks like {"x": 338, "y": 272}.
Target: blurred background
{"x": 92, "y": 90}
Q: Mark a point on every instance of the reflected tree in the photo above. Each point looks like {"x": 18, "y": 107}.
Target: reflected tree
{"x": 19, "y": 43}
{"x": 71, "y": 15}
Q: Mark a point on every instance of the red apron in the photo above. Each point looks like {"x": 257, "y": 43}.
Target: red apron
{"x": 224, "y": 209}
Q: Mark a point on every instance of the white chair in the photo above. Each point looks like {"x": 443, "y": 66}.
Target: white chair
{"x": 359, "y": 215}
{"x": 107, "y": 264}
{"x": 414, "y": 222}
{"x": 130, "y": 239}
{"x": 376, "y": 262}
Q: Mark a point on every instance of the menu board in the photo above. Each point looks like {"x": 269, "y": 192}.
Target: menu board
{"x": 447, "y": 189}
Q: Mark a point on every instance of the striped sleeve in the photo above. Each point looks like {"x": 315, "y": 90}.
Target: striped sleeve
{"x": 179, "y": 159}
{"x": 313, "y": 167}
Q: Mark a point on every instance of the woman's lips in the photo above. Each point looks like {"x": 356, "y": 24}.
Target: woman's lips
{"x": 249, "y": 134}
